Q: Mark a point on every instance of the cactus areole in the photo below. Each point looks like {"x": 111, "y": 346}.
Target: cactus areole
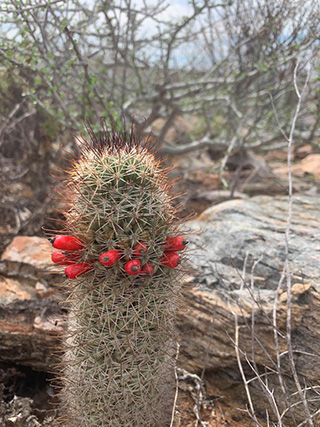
{"x": 120, "y": 348}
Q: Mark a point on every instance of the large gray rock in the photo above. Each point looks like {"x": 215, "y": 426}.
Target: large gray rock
{"x": 229, "y": 239}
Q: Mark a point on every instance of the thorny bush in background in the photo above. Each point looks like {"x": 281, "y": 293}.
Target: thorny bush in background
{"x": 219, "y": 62}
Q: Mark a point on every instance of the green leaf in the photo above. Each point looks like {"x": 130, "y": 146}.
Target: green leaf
{"x": 64, "y": 23}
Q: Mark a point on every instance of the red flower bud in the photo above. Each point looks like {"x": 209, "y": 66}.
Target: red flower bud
{"x": 61, "y": 258}
{"x": 175, "y": 244}
{"x": 140, "y": 249}
{"x": 133, "y": 267}
{"x": 147, "y": 270}
{"x": 76, "y": 270}
{"x": 72, "y": 256}
{"x": 109, "y": 258}
{"x": 170, "y": 259}
{"x": 67, "y": 243}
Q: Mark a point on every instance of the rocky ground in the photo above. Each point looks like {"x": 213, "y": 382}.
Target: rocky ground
{"x": 247, "y": 229}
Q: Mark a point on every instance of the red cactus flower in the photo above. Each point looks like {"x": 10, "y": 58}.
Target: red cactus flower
{"x": 170, "y": 259}
{"x": 76, "y": 270}
{"x": 61, "y": 259}
{"x": 139, "y": 250}
{"x": 147, "y": 270}
{"x": 133, "y": 267}
{"x": 109, "y": 258}
{"x": 67, "y": 243}
{"x": 175, "y": 244}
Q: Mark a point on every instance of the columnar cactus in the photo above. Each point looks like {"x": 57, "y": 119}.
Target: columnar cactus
{"x": 122, "y": 251}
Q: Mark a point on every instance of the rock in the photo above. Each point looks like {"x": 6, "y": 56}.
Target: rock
{"x": 302, "y": 152}
{"x": 240, "y": 256}
{"x": 19, "y": 412}
{"x": 216, "y": 196}
{"x": 34, "y": 251}
{"x": 309, "y": 165}
{"x": 31, "y": 318}
{"x": 11, "y": 290}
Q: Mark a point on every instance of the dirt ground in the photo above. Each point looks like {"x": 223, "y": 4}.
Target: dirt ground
{"x": 27, "y": 399}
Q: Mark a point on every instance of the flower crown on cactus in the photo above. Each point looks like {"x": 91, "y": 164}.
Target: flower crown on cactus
{"x": 71, "y": 255}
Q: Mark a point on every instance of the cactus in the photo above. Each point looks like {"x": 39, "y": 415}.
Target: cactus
{"x": 119, "y": 351}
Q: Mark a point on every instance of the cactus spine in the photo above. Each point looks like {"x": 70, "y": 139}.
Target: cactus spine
{"x": 118, "y": 363}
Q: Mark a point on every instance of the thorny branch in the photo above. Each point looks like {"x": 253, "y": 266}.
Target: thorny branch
{"x": 285, "y": 279}
{"x": 287, "y": 240}
{"x": 218, "y": 61}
